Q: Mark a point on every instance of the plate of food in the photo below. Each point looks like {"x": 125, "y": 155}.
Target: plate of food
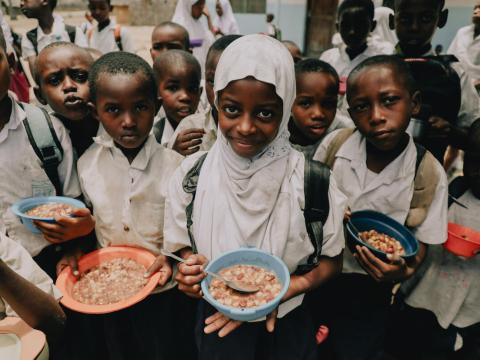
{"x": 44, "y": 208}
{"x": 252, "y": 267}
{"x": 111, "y": 279}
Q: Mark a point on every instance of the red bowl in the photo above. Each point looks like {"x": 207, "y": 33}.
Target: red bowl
{"x": 462, "y": 241}
{"x": 66, "y": 280}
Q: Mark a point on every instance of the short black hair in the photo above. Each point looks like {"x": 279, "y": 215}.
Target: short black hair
{"x": 186, "y": 37}
{"x": 52, "y": 3}
{"x": 439, "y": 3}
{"x": 367, "y": 5}
{"x": 222, "y": 43}
{"x": 316, "y": 66}
{"x": 3, "y": 42}
{"x": 397, "y": 63}
{"x": 121, "y": 62}
{"x": 175, "y": 58}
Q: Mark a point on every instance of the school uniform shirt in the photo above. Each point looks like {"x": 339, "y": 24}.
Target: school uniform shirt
{"x": 203, "y": 121}
{"x": 58, "y": 33}
{"x": 168, "y": 129}
{"x": 389, "y": 192}
{"x": 23, "y": 176}
{"x": 18, "y": 259}
{"x": 104, "y": 40}
{"x": 466, "y": 47}
{"x": 450, "y": 285}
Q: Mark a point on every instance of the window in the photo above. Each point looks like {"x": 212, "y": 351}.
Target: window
{"x": 249, "y": 6}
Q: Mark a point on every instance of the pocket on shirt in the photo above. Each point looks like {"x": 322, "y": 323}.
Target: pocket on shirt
{"x": 148, "y": 220}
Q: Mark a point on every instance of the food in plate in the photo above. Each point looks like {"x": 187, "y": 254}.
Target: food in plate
{"x": 382, "y": 242}
{"x": 50, "y": 210}
{"x": 266, "y": 280}
{"x": 110, "y": 282}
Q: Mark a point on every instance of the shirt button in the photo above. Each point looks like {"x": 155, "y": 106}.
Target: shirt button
{"x": 126, "y": 228}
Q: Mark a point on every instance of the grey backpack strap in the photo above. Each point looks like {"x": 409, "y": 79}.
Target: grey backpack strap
{"x": 158, "y": 129}
{"x": 32, "y": 36}
{"x": 190, "y": 182}
{"x": 44, "y": 141}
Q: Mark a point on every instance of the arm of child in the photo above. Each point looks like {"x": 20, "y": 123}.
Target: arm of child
{"x": 442, "y": 129}
{"x": 188, "y": 141}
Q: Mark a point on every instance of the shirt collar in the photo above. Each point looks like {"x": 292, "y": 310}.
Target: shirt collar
{"x": 16, "y": 118}
{"x": 57, "y": 28}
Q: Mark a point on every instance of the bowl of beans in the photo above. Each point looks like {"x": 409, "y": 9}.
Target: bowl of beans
{"x": 45, "y": 209}
{"x": 111, "y": 279}
{"x": 252, "y": 267}
{"x": 381, "y": 234}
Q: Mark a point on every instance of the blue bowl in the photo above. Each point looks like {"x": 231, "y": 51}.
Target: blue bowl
{"x": 371, "y": 220}
{"x": 21, "y": 206}
{"x": 247, "y": 256}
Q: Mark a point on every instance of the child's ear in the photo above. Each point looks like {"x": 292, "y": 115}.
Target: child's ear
{"x": 374, "y": 25}
{"x": 93, "y": 110}
{"x": 416, "y": 103}
{"x": 391, "y": 21}
{"x": 38, "y": 94}
{"x": 442, "y": 19}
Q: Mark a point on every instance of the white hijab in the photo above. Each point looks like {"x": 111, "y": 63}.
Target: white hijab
{"x": 227, "y": 23}
{"x": 250, "y": 202}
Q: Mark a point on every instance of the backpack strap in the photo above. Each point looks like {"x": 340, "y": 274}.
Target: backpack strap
{"x": 457, "y": 188}
{"x": 44, "y": 141}
{"x": 189, "y": 184}
{"x": 342, "y": 136}
{"x": 71, "y": 31}
{"x": 158, "y": 129}
{"x": 117, "y": 34}
{"x": 32, "y": 36}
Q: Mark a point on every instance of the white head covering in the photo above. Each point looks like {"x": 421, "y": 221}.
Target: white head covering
{"x": 227, "y": 22}
{"x": 250, "y": 202}
{"x": 382, "y": 31}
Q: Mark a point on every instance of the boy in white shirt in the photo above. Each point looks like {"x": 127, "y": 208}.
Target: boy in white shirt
{"x": 107, "y": 36}
{"x": 169, "y": 36}
{"x": 378, "y": 167}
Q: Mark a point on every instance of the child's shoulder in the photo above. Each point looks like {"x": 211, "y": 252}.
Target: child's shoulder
{"x": 330, "y": 54}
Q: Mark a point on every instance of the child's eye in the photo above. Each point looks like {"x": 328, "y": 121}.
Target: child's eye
{"x": 305, "y": 103}
{"x": 231, "y": 110}
{"x": 359, "y": 108}
{"x": 265, "y": 114}
{"x": 389, "y": 100}
{"x": 172, "y": 88}
{"x": 141, "y": 107}
{"x": 80, "y": 76}
{"x": 54, "y": 80}
{"x": 427, "y": 18}
{"x": 112, "y": 109}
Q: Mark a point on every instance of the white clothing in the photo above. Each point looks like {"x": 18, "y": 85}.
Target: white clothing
{"x": 104, "y": 41}
{"x": 197, "y": 29}
{"x": 23, "y": 176}
{"x": 382, "y": 31}
{"x": 389, "y": 192}
{"x": 203, "y": 121}
{"x": 450, "y": 285}
{"x": 466, "y": 48}
{"x": 58, "y": 33}
{"x": 168, "y": 129}
{"x": 252, "y": 202}
{"x": 18, "y": 259}
{"x": 226, "y": 23}
{"x": 7, "y": 32}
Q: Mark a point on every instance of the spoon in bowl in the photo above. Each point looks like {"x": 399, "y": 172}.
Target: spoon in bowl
{"x": 239, "y": 286}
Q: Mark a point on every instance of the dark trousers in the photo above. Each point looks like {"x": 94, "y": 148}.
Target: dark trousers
{"x": 293, "y": 339}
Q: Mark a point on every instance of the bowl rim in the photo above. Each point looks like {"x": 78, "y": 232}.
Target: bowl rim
{"x": 459, "y": 237}
{"x": 45, "y": 200}
{"x": 66, "y": 276}
{"x": 245, "y": 311}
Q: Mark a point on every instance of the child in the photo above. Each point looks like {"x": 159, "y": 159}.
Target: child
{"x": 444, "y": 303}
{"x": 315, "y": 106}
{"x": 178, "y": 75}
{"x": 415, "y": 23}
{"x": 124, "y": 177}
{"x": 225, "y": 22}
{"x": 199, "y": 131}
{"x": 51, "y": 28}
{"x": 107, "y": 36}
{"x": 293, "y": 49}
{"x": 169, "y": 36}
{"x": 378, "y": 167}
{"x": 251, "y": 160}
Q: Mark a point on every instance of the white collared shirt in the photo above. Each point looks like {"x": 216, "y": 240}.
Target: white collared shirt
{"x": 389, "y": 192}
{"x": 59, "y": 33}
{"x": 18, "y": 259}
{"x": 168, "y": 129}
{"x": 466, "y": 48}
{"x": 104, "y": 40}
{"x": 23, "y": 176}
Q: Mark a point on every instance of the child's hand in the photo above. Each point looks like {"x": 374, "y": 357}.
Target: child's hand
{"x": 67, "y": 228}
{"x": 161, "y": 265}
{"x": 395, "y": 271}
{"x": 440, "y": 128}
{"x": 188, "y": 141}
{"x": 190, "y": 274}
{"x": 70, "y": 259}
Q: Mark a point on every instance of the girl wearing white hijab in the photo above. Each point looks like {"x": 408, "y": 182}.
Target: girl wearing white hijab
{"x": 188, "y": 13}
{"x": 251, "y": 193}
{"x": 225, "y": 21}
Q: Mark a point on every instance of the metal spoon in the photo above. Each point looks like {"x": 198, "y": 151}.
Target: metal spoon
{"x": 234, "y": 284}
{"x": 455, "y": 200}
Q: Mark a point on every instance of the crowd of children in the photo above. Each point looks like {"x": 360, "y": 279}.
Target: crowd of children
{"x": 160, "y": 167}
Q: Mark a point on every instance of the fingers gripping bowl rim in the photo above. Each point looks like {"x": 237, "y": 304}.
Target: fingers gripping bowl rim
{"x": 247, "y": 256}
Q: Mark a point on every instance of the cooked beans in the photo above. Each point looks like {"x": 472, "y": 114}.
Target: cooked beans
{"x": 50, "y": 210}
{"x": 382, "y": 242}
{"x": 110, "y": 282}
{"x": 266, "y": 280}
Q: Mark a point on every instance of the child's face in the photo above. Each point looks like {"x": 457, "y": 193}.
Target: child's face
{"x": 4, "y": 74}
{"x": 31, "y": 8}
{"x": 211, "y": 66}
{"x": 197, "y": 9}
{"x": 166, "y": 38}
{"x": 180, "y": 92}
{"x": 63, "y": 81}
{"x": 100, "y": 10}
{"x": 315, "y": 106}
{"x": 354, "y": 26}
{"x": 416, "y": 22}
{"x": 381, "y": 106}
{"x": 125, "y": 108}
{"x": 249, "y": 115}
{"x": 476, "y": 14}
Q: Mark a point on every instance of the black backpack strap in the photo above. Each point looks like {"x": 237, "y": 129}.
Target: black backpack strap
{"x": 158, "y": 129}
{"x": 420, "y": 155}
{"x": 32, "y": 36}
{"x": 457, "y": 188}
{"x": 190, "y": 182}
{"x": 71, "y": 31}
